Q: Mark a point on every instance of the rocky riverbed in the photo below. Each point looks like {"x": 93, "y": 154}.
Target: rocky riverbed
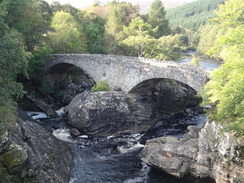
{"x": 120, "y": 138}
{"x": 202, "y": 152}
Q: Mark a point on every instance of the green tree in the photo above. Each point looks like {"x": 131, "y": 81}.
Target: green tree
{"x": 195, "y": 60}
{"x": 166, "y": 48}
{"x": 121, "y": 14}
{"x": 226, "y": 87}
{"x": 112, "y": 28}
{"x": 208, "y": 35}
{"x": 67, "y": 36}
{"x": 31, "y": 18}
{"x": 13, "y": 61}
{"x": 157, "y": 18}
{"x": 93, "y": 27}
{"x": 136, "y": 39}
{"x": 127, "y": 12}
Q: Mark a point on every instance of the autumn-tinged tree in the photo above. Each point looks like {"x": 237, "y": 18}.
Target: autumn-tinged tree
{"x": 121, "y": 13}
{"x": 157, "y": 18}
{"x": 226, "y": 86}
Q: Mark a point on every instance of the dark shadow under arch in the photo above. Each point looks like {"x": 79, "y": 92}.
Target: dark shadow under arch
{"x": 149, "y": 85}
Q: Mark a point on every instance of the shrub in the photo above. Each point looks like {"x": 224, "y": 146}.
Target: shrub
{"x": 101, "y": 86}
{"x": 195, "y": 60}
{"x": 46, "y": 89}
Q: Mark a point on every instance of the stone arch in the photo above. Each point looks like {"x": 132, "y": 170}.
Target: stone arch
{"x": 67, "y": 80}
{"x": 126, "y": 72}
{"x": 65, "y": 67}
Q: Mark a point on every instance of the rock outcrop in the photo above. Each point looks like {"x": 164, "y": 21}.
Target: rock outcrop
{"x": 208, "y": 153}
{"x": 29, "y": 153}
{"x": 108, "y": 113}
{"x": 42, "y": 105}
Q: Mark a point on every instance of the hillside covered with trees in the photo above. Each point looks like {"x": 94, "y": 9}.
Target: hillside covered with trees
{"x": 193, "y": 15}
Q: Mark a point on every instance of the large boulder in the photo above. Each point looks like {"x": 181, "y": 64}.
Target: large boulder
{"x": 208, "y": 153}
{"x": 29, "y": 153}
{"x": 108, "y": 113}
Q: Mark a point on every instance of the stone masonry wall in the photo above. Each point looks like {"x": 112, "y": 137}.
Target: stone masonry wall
{"x": 124, "y": 73}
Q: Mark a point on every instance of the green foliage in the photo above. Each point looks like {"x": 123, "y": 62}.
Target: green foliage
{"x": 75, "y": 74}
{"x": 195, "y": 60}
{"x": 208, "y": 34}
{"x": 7, "y": 117}
{"x": 120, "y": 15}
{"x": 112, "y": 28}
{"x": 93, "y": 27}
{"x": 46, "y": 89}
{"x": 67, "y": 36}
{"x": 101, "y": 86}
{"x": 193, "y": 15}
{"x": 5, "y": 177}
{"x": 136, "y": 39}
{"x": 30, "y": 17}
{"x": 157, "y": 19}
{"x": 226, "y": 87}
{"x": 13, "y": 61}
{"x": 60, "y": 93}
{"x": 165, "y": 48}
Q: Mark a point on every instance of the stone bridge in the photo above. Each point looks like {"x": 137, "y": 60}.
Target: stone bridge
{"x": 131, "y": 74}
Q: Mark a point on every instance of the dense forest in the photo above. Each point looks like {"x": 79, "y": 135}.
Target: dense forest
{"x": 193, "y": 15}
{"x": 31, "y": 30}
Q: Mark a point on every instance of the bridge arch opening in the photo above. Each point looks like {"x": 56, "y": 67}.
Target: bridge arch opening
{"x": 67, "y": 81}
{"x": 167, "y": 96}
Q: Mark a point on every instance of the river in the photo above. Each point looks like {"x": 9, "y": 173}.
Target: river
{"x": 207, "y": 63}
{"x": 115, "y": 159}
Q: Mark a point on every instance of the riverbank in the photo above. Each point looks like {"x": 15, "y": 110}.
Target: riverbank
{"x": 206, "y": 62}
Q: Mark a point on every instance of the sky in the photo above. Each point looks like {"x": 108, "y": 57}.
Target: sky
{"x": 85, "y": 3}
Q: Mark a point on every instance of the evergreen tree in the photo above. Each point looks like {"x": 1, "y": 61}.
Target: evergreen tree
{"x": 193, "y": 15}
{"x": 157, "y": 18}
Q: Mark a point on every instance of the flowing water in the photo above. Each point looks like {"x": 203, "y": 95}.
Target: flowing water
{"x": 115, "y": 159}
